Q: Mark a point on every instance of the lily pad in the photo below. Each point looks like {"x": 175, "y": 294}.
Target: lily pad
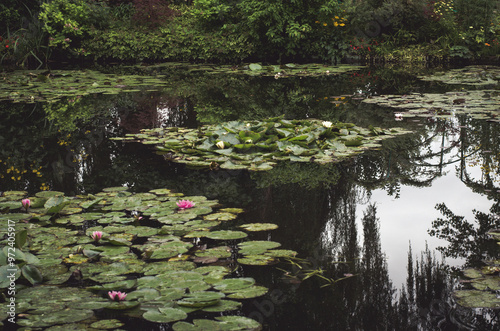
{"x": 256, "y": 247}
{"x": 255, "y": 227}
{"x": 223, "y": 306}
{"x": 164, "y": 315}
{"x": 262, "y": 143}
{"x": 107, "y": 324}
{"x": 256, "y": 260}
{"x": 248, "y": 292}
{"x": 477, "y": 299}
{"x": 226, "y": 235}
{"x": 234, "y": 284}
{"x": 201, "y": 299}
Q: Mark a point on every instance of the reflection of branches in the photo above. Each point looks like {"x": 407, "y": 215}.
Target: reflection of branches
{"x": 466, "y": 239}
{"x": 487, "y": 154}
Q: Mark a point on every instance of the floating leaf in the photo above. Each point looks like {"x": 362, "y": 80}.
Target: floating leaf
{"x": 222, "y": 306}
{"x": 220, "y": 217}
{"x": 200, "y": 299}
{"x": 107, "y": 324}
{"x": 255, "y": 227}
{"x": 248, "y": 292}
{"x": 281, "y": 253}
{"x": 219, "y": 252}
{"x": 226, "y": 235}
{"x": 234, "y": 284}
{"x": 477, "y": 299}
{"x": 256, "y": 260}
{"x": 32, "y": 274}
{"x": 256, "y": 247}
{"x": 164, "y": 315}
{"x": 255, "y": 66}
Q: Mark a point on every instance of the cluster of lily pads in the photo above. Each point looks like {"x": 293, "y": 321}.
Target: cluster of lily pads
{"x": 470, "y": 75}
{"x": 484, "y": 283}
{"x": 41, "y": 85}
{"x": 48, "y": 86}
{"x": 257, "y": 69}
{"x": 478, "y": 104}
{"x": 159, "y": 256}
{"x": 259, "y": 145}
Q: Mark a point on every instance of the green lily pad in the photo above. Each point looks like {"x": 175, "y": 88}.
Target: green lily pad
{"x": 255, "y": 227}
{"x": 201, "y": 299}
{"x": 164, "y": 315}
{"x": 220, "y": 217}
{"x": 107, "y": 324}
{"x": 32, "y": 274}
{"x": 472, "y": 273}
{"x": 222, "y": 306}
{"x": 248, "y": 292}
{"x": 240, "y": 321}
{"x": 281, "y": 253}
{"x": 218, "y": 252}
{"x": 296, "y": 140}
{"x": 232, "y": 210}
{"x": 256, "y": 247}
{"x": 489, "y": 283}
{"x": 198, "y": 325}
{"x": 256, "y": 260}
{"x": 477, "y": 299}
{"x": 123, "y": 305}
{"x": 226, "y": 235}
{"x": 233, "y": 284}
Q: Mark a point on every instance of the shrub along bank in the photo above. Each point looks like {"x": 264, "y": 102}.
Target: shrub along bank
{"x": 34, "y": 32}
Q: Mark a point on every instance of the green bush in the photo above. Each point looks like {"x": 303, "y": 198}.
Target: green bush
{"x": 177, "y": 40}
{"x": 68, "y": 22}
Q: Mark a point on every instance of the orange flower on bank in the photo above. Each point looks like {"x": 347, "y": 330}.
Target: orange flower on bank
{"x": 486, "y": 44}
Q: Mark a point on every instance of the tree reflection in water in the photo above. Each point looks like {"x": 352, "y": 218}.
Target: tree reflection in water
{"x": 315, "y": 207}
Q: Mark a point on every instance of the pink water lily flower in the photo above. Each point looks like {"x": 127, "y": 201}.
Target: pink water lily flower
{"x": 26, "y": 203}
{"x": 117, "y": 295}
{"x": 185, "y": 204}
{"x": 96, "y": 235}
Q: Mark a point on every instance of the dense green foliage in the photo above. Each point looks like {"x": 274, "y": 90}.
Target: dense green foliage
{"x": 230, "y": 31}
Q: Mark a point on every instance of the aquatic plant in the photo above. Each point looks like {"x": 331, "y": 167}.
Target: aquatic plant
{"x": 478, "y": 104}
{"x": 117, "y": 295}
{"x": 96, "y": 235}
{"x": 26, "y": 203}
{"x": 259, "y": 145}
{"x": 483, "y": 283}
{"x": 185, "y": 204}
{"x": 173, "y": 275}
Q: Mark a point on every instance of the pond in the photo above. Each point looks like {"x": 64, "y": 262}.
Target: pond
{"x": 371, "y": 236}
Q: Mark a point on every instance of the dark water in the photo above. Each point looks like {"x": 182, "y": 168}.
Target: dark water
{"x": 368, "y": 217}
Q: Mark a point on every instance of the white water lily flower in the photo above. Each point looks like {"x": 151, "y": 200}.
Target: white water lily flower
{"x": 220, "y": 144}
{"x": 398, "y": 116}
{"x": 327, "y": 124}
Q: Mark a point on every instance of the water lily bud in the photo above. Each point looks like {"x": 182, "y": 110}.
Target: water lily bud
{"x": 220, "y": 144}
{"x": 248, "y": 141}
{"x": 96, "y": 235}
{"x": 185, "y": 204}
{"x": 117, "y": 295}
{"x": 26, "y": 203}
{"x": 327, "y": 124}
